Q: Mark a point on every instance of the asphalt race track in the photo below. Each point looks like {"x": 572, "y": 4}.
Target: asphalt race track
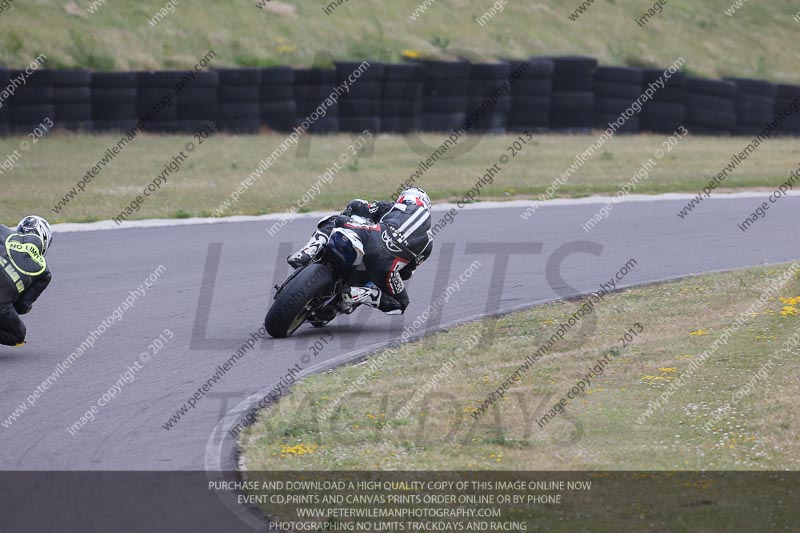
{"x": 213, "y": 295}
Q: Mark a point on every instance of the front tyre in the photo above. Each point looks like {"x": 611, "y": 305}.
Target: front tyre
{"x": 293, "y": 304}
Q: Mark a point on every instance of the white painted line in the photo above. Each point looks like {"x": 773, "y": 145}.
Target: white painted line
{"x": 511, "y": 204}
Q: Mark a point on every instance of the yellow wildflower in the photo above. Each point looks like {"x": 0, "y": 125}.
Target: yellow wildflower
{"x": 299, "y": 449}
{"x": 285, "y": 46}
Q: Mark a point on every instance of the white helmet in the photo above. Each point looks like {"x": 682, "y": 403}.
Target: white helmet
{"x": 415, "y": 196}
{"x": 38, "y": 226}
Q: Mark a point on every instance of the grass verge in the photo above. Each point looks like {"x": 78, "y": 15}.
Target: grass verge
{"x": 599, "y": 429}
{"x": 44, "y": 174}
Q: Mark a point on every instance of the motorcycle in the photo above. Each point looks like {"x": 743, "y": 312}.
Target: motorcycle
{"x": 313, "y": 293}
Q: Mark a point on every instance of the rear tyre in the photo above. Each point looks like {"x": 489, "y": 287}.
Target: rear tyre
{"x": 290, "y": 308}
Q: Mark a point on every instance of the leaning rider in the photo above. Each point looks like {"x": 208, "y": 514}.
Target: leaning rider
{"x": 396, "y": 238}
{"x": 24, "y": 276}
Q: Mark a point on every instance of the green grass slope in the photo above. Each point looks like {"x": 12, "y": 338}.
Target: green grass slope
{"x": 756, "y": 41}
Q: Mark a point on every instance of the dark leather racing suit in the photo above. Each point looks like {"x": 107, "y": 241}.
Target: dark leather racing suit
{"x": 396, "y": 241}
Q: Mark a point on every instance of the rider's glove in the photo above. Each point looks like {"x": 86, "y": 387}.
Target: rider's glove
{"x": 341, "y": 220}
{"x": 357, "y": 207}
{"x": 406, "y": 272}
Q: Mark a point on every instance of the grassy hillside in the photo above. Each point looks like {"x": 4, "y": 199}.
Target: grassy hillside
{"x": 756, "y": 41}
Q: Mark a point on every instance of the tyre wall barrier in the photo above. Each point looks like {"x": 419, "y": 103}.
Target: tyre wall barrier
{"x": 401, "y": 97}
{"x": 32, "y": 103}
{"x": 444, "y": 95}
{"x": 276, "y": 98}
{"x": 666, "y": 111}
{"x": 572, "y": 99}
{"x": 311, "y": 88}
{"x": 114, "y": 98}
{"x": 360, "y": 106}
{"x": 4, "y": 78}
{"x": 538, "y": 94}
{"x": 485, "y": 93}
{"x": 196, "y": 105}
{"x": 616, "y": 89}
{"x": 710, "y": 106}
{"x": 531, "y": 93}
{"x": 72, "y": 99}
{"x": 239, "y": 100}
{"x": 754, "y": 105}
{"x": 785, "y": 96}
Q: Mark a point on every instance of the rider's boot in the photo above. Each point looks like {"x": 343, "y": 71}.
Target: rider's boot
{"x": 373, "y": 297}
{"x": 309, "y": 251}
{"x": 369, "y": 295}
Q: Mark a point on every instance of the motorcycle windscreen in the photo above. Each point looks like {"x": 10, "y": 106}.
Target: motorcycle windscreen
{"x": 345, "y": 250}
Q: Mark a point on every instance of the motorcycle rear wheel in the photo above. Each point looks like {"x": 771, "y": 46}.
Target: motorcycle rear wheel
{"x": 294, "y": 303}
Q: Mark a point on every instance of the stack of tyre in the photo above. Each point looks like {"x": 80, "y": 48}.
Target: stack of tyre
{"x": 489, "y": 100}
{"x": 156, "y": 103}
{"x": 572, "y": 101}
{"x": 615, "y": 90}
{"x": 401, "y": 97}
{"x": 360, "y": 106}
{"x": 785, "y": 97}
{"x": 531, "y": 91}
{"x": 72, "y": 99}
{"x": 444, "y": 95}
{"x": 32, "y": 103}
{"x": 114, "y": 100}
{"x": 278, "y": 109}
{"x": 238, "y": 100}
{"x": 666, "y": 111}
{"x": 197, "y": 100}
{"x": 755, "y": 101}
{"x": 311, "y": 87}
{"x": 4, "y": 105}
{"x": 710, "y": 106}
